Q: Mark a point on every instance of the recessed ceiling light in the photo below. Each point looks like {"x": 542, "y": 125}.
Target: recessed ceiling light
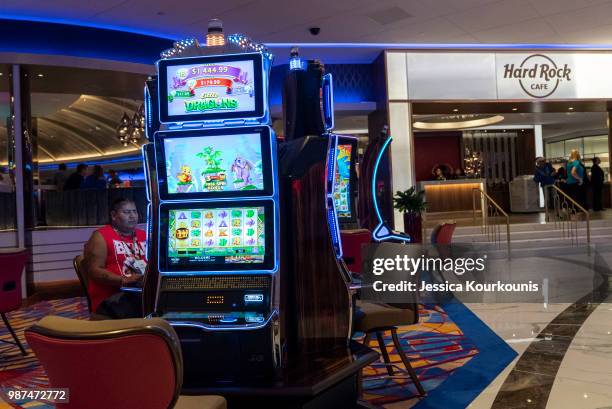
{"x": 457, "y": 121}
{"x": 456, "y": 110}
{"x": 0, "y": 74}
{"x": 515, "y": 109}
{"x": 571, "y": 108}
{"x": 504, "y": 130}
{"x": 40, "y": 75}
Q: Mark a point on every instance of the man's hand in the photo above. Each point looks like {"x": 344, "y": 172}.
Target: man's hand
{"x": 132, "y": 280}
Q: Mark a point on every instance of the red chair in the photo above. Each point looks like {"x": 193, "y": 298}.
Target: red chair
{"x": 118, "y": 364}
{"x": 11, "y": 271}
{"x": 443, "y": 233}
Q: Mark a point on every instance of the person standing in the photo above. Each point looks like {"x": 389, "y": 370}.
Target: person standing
{"x": 544, "y": 175}
{"x": 59, "y": 178}
{"x": 95, "y": 180}
{"x": 113, "y": 178}
{"x": 575, "y": 178}
{"x": 74, "y": 180}
{"x": 597, "y": 181}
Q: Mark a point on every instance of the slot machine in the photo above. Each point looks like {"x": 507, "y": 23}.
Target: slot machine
{"x": 214, "y": 211}
{"x": 243, "y": 235}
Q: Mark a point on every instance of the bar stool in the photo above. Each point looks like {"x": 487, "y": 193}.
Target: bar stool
{"x": 375, "y": 319}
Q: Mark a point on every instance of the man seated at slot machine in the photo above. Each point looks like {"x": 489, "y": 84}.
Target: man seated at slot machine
{"x": 115, "y": 258}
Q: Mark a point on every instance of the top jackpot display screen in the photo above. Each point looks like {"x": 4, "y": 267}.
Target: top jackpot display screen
{"x": 208, "y": 88}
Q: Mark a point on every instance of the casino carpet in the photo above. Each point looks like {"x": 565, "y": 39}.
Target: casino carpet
{"x": 25, "y": 372}
{"x": 435, "y": 346}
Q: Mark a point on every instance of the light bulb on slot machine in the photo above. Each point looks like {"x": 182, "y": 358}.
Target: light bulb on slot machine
{"x": 215, "y": 36}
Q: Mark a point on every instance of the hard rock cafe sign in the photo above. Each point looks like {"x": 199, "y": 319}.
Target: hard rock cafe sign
{"x": 538, "y": 75}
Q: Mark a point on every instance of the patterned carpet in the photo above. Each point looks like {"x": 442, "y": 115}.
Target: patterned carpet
{"x": 17, "y": 371}
{"x": 436, "y": 348}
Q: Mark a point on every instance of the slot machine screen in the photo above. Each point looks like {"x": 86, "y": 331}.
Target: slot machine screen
{"x": 217, "y": 236}
{"x": 208, "y": 88}
{"x": 344, "y": 181}
{"x": 215, "y": 164}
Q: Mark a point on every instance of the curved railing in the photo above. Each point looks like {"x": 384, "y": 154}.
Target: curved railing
{"x": 493, "y": 217}
{"x": 566, "y": 213}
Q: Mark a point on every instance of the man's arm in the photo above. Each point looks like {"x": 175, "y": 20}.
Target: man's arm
{"x": 95, "y": 260}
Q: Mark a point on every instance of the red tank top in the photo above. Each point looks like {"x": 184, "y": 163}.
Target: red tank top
{"x": 118, "y": 249}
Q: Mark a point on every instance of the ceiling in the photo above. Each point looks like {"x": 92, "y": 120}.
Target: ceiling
{"x": 75, "y": 127}
{"x": 384, "y": 21}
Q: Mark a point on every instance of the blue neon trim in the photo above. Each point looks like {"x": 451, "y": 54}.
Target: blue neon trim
{"x": 328, "y": 81}
{"x": 79, "y": 23}
{"x": 143, "y": 151}
{"x": 147, "y": 112}
{"x": 242, "y": 327}
{"x": 332, "y": 216}
{"x": 91, "y": 162}
{"x": 448, "y": 46}
{"x": 131, "y": 289}
{"x": 380, "y": 154}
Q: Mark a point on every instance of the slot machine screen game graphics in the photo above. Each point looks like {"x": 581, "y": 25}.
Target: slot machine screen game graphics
{"x": 217, "y": 163}
{"x": 342, "y": 185}
{"x": 214, "y": 236}
{"x": 214, "y": 164}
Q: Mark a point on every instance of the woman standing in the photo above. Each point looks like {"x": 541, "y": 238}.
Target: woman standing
{"x": 575, "y": 178}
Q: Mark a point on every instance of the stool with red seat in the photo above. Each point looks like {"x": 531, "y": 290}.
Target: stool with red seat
{"x": 443, "y": 233}
{"x": 12, "y": 264}
{"x": 118, "y": 364}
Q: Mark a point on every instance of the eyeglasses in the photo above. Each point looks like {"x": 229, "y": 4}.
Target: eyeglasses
{"x": 128, "y": 212}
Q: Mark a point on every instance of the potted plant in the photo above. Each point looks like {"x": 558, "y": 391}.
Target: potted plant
{"x": 412, "y": 204}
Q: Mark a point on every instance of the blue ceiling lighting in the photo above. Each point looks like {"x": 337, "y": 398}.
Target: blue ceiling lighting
{"x": 450, "y": 46}
{"x": 88, "y": 24}
{"x": 124, "y": 159}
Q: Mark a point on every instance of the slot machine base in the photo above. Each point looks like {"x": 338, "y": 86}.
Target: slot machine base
{"x": 226, "y": 357}
{"x": 325, "y": 382}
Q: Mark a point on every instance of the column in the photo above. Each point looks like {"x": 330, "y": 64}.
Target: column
{"x": 25, "y": 163}
{"x": 400, "y": 126}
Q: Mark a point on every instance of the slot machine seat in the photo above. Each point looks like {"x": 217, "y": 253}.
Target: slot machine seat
{"x": 375, "y": 319}
{"x": 81, "y": 273}
{"x": 107, "y": 364}
{"x": 79, "y": 269}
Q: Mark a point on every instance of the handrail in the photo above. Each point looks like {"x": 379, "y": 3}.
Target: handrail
{"x": 575, "y": 205}
{"x": 489, "y": 229}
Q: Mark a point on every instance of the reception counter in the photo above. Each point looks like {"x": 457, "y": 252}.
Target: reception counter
{"x": 451, "y": 195}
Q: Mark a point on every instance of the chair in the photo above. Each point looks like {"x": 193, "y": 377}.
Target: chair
{"x": 119, "y": 364}
{"x": 378, "y": 318}
{"x": 77, "y": 263}
{"x": 11, "y": 270}
{"x": 443, "y": 233}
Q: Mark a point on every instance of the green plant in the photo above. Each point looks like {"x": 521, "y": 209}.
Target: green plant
{"x": 410, "y": 201}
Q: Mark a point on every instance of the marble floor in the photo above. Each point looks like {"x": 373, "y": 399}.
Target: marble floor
{"x": 564, "y": 356}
